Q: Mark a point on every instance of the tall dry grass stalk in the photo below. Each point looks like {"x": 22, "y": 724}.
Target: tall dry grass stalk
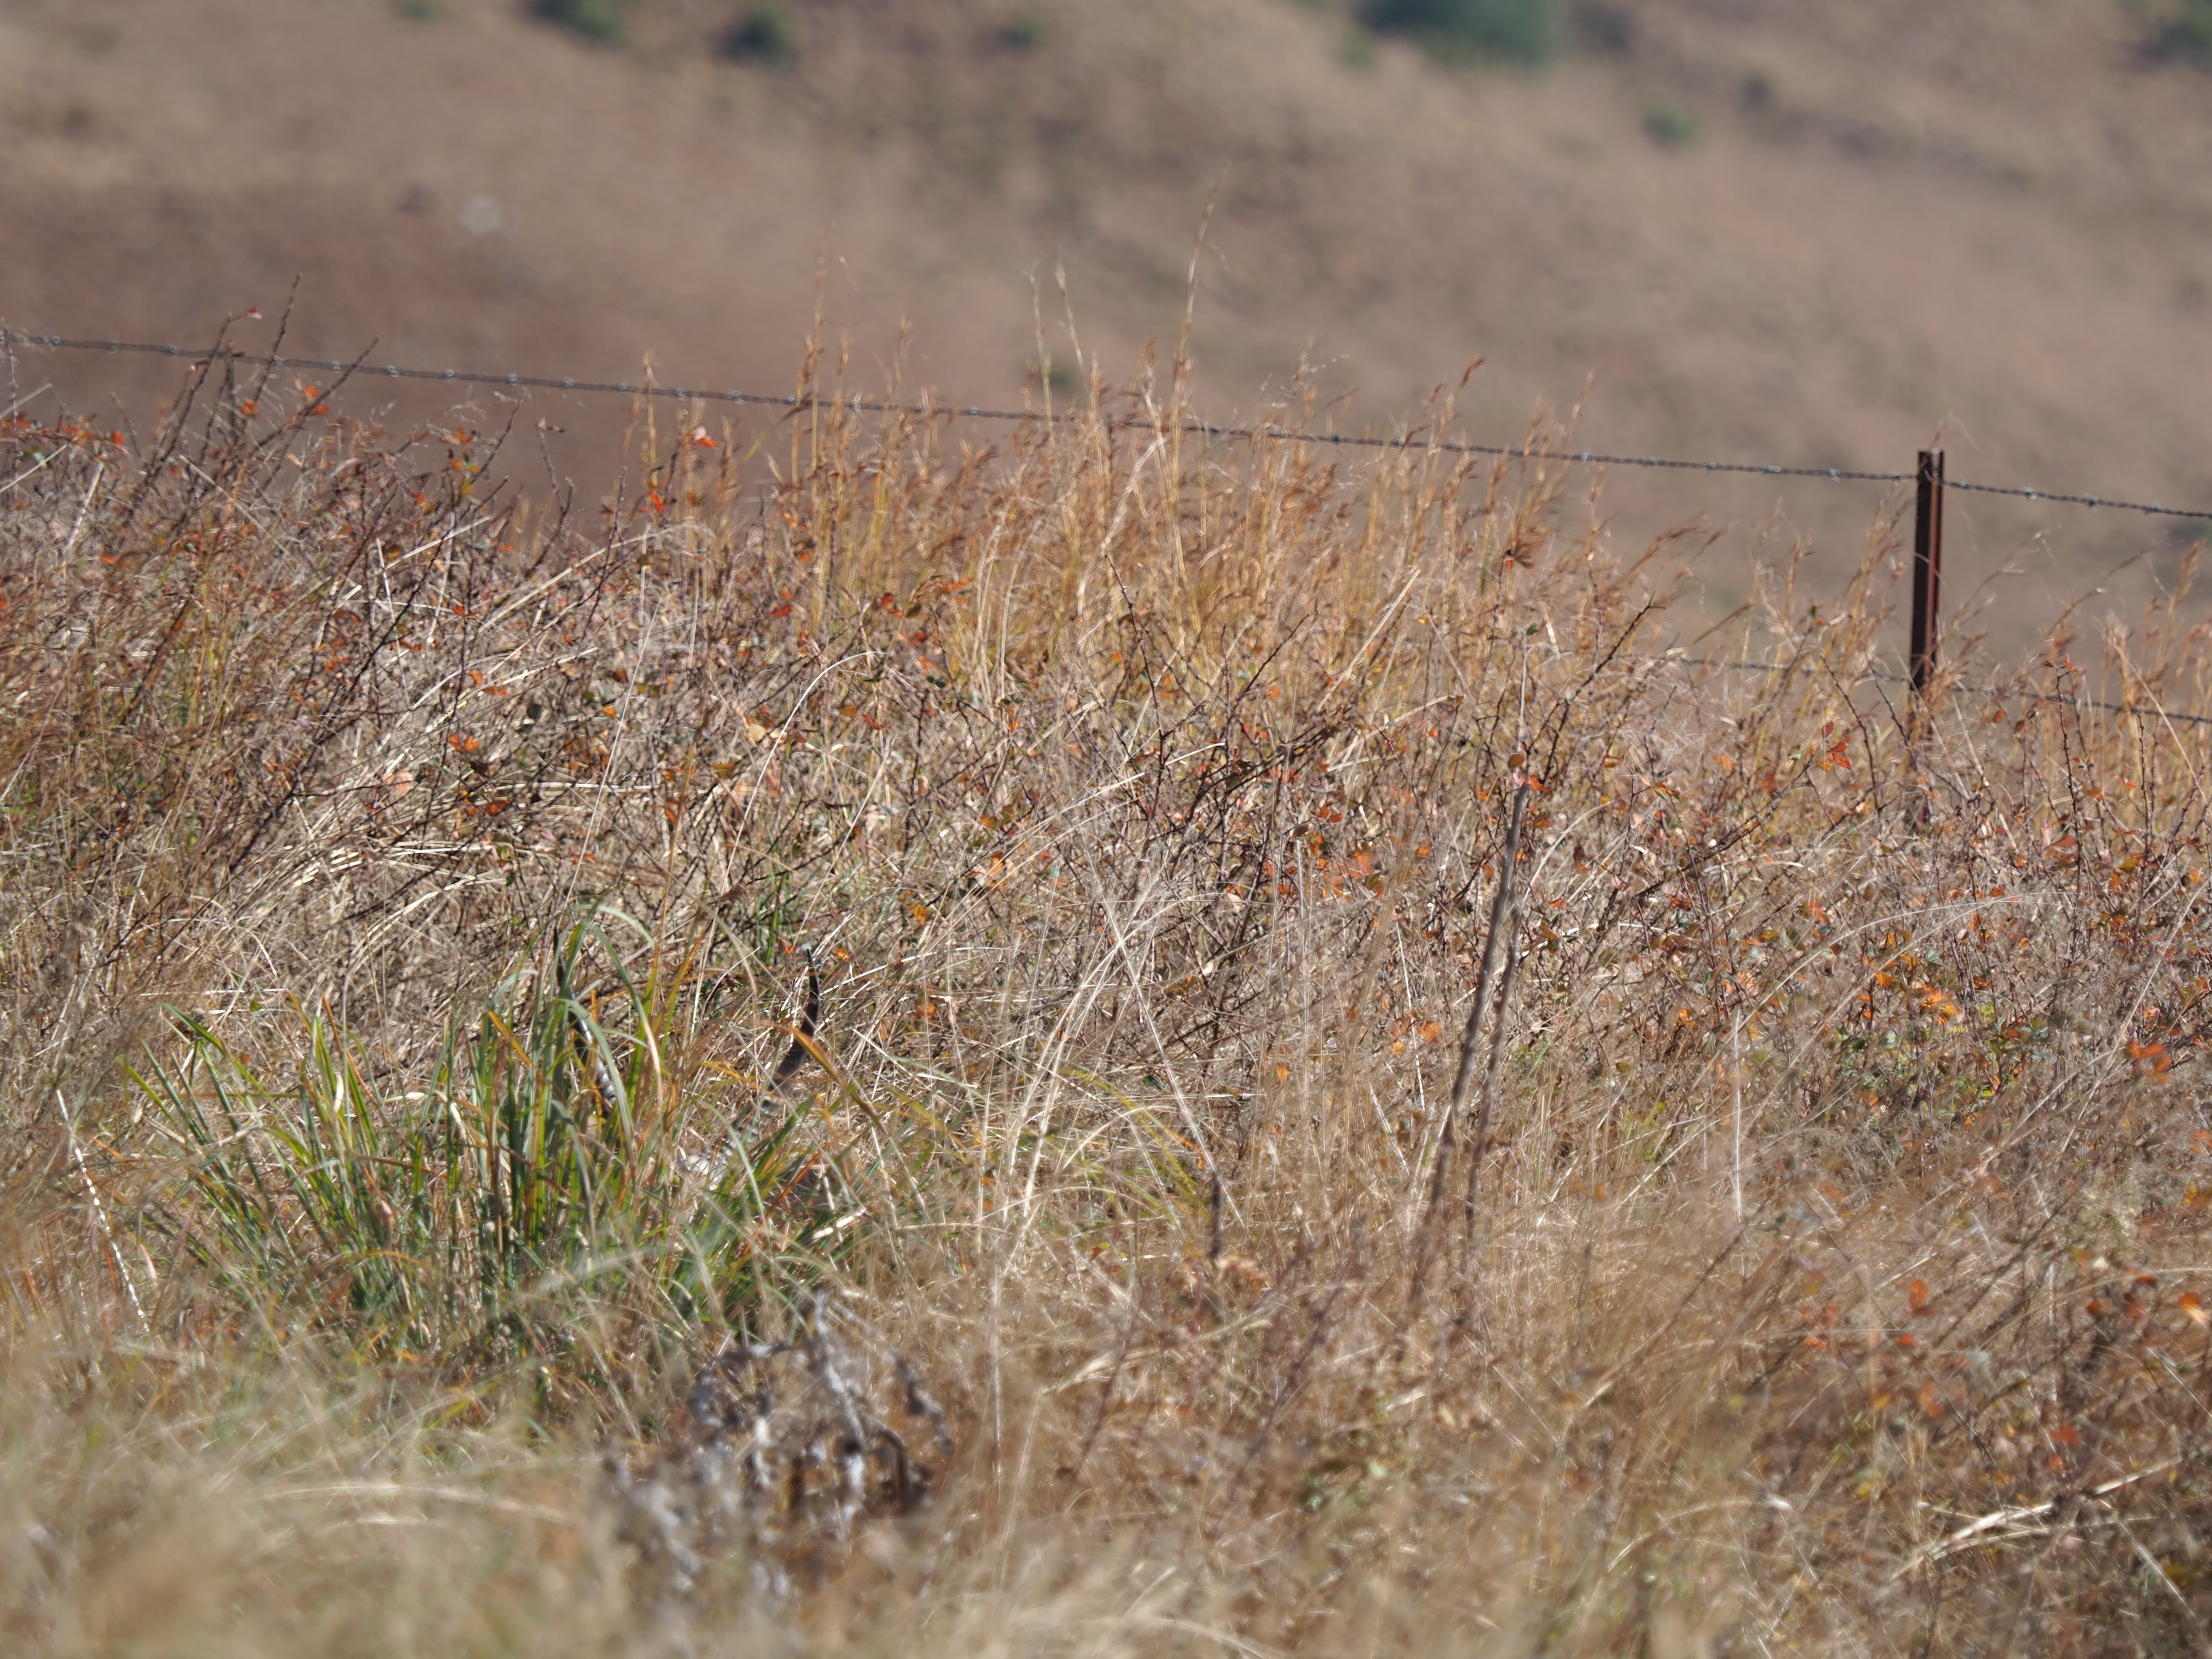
{"x": 406, "y": 895}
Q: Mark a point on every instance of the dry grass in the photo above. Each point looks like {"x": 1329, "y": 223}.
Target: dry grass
{"x": 404, "y": 900}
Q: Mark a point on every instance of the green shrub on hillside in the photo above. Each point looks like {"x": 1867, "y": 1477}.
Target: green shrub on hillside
{"x": 1512, "y": 31}
{"x": 1025, "y": 31}
{"x": 763, "y": 35}
{"x": 604, "y": 21}
{"x": 1603, "y": 26}
{"x": 1670, "y": 125}
{"x": 2187, "y": 31}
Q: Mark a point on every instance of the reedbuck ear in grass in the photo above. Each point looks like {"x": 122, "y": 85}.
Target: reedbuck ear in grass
{"x": 801, "y": 1049}
{"x": 802, "y": 1031}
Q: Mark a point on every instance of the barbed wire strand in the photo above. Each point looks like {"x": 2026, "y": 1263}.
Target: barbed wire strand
{"x": 975, "y": 411}
{"x": 2147, "y": 710}
{"x": 1268, "y": 434}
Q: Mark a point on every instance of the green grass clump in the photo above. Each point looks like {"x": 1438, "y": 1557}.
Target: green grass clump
{"x": 1506, "y": 31}
{"x": 572, "y": 1144}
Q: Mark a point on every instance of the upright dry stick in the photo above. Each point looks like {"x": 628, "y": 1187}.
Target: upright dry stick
{"x": 1501, "y": 906}
{"x": 1510, "y": 924}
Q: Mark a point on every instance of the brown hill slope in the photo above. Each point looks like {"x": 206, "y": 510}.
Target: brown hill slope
{"x": 1989, "y": 219}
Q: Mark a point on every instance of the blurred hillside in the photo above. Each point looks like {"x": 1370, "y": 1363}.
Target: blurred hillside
{"x": 1815, "y": 234}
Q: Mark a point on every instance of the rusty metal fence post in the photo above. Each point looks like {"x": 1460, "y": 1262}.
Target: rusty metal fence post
{"x": 1927, "y": 569}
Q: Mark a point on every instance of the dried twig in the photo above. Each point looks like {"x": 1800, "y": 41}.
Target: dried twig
{"x": 1501, "y": 909}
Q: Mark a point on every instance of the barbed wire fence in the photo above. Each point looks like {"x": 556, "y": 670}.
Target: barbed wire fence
{"x": 857, "y": 404}
{"x": 1928, "y": 556}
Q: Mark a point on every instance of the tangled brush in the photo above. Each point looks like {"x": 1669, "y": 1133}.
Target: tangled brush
{"x": 786, "y": 1451}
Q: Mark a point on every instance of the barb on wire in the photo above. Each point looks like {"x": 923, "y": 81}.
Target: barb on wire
{"x": 978, "y": 412}
{"x": 2152, "y": 507}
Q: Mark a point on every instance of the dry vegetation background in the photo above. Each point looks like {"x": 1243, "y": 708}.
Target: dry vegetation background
{"x": 1813, "y": 233}
{"x": 846, "y": 1044}
{"x": 424, "y": 1237}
